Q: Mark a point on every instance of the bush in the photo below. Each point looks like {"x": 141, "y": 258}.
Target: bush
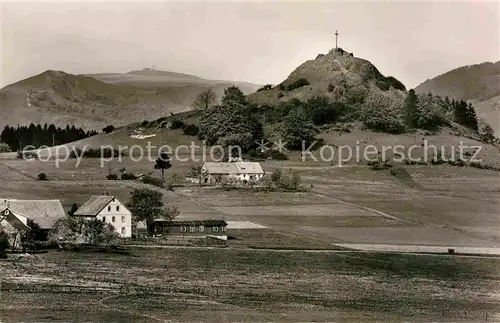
{"x": 152, "y": 181}
{"x": 276, "y": 175}
{"x": 127, "y": 176}
{"x": 191, "y": 130}
{"x": 96, "y": 153}
{"x": 382, "y": 112}
{"x": 487, "y": 134}
{"x": 276, "y": 155}
{"x": 403, "y": 175}
{"x": 144, "y": 123}
{"x": 112, "y": 177}
{"x": 265, "y": 88}
{"x": 27, "y": 155}
{"x": 379, "y": 164}
{"x": 289, "y": 180}
{"x": 177, "y": 178}
{"x": 299, "y": 83}
{"x": 280, "y": 95}
{"x": 108, "y": 129}
{"x": 177, "y": 124}
{"x": 4, "y": 148}
{"x": 42, "y": 177}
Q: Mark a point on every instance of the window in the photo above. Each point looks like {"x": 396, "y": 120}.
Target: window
{"x": 224, "y": 229}
{"x": 183, "y": 229}
{"x": 215, "y": 229}
{"x": 104, "y": 218}
{"x": 123, "y": 230}
{"x": 118, "y": 208}
{"x": 112, "y": 219}
{"x": 123, "y": 219}
{"x": 202, "y": 228}
{"x": 192, "y": 229}
{"x": 109, "y": 208}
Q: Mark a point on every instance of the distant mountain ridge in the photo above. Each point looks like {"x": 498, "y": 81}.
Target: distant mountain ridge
{"x": 478, "y": 84}
{"x": 96, "y": 100}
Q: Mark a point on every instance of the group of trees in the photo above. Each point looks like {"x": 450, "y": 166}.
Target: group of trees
{"x": 426, "y": 111}
{"x": 231, "y": 123}
{"x": 237, "y": 122}
{"x": 38, "y": 135}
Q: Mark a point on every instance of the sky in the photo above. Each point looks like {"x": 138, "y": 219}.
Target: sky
{"x": 250, "y": 41}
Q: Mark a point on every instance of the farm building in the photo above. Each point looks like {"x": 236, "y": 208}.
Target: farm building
{"x": 213, "y": 173}
{"x": 110, "y": 210}
{"x": 16, "y": 215}
{"x": 191, "y": 226}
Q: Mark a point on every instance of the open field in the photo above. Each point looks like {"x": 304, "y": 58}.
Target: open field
{"x": 449, "y": 206}
{"x": 227, "y": 285}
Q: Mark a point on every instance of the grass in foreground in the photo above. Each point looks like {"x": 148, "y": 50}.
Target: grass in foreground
{"x": 249, "y": 285}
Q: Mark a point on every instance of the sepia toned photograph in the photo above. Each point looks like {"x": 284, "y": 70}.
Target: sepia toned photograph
{"x": 249, "y": 161}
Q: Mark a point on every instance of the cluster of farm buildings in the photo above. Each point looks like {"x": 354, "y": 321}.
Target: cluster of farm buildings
{"x": 16, "y": 214}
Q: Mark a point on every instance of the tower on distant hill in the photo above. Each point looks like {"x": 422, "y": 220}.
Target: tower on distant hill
{"x": 336, "y": 38}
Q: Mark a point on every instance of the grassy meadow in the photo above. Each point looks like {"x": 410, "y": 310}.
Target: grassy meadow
{"x": 227, "y": 285}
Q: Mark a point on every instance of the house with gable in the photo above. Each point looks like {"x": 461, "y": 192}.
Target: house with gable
{"x": 16, "y": 215}
{"x": 213, "y": 172}
{"x": 110, "y": 210}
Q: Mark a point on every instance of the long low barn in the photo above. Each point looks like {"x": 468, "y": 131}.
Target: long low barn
{"x": 212, "y": 172}
{"x": 191, "y": 225}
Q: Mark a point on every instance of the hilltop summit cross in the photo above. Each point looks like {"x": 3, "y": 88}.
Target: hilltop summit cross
{"x": 336, "y": 38}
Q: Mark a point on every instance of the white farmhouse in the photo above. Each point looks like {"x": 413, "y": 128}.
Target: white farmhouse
{"x": 212, "y": 172}
{"x": 110, "y": 210}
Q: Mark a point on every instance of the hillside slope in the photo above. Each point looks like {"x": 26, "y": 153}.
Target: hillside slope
{"x": 479, "y": 84}
{"x": 101, "y": 99}
{"x": 332, "y": 75}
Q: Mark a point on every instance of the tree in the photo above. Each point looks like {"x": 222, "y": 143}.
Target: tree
{"x": 162, "y": 163}
{"x": 465, "y": 114}
{"x": 146, "y": 205}
{"x": 297, "y": 128}
{"x": 487, "y": 133}
{"x": 424, "y": 111}
{"x": 205, "y": 100}
{"x": 322, "y": 110}
{"x": 411, "y": 102}
{"x": 32, "y": 235}
{"x": 231, "y": 123}
{"x": 4, "y": 243}
{"x": 67, "y": 230}
{"x": 108, "y": 129}
{"x": 96, "y": 231}
{"x": 382, "y": 111}
{"x": 42, "y": 177}
{"x": 289, "y": 180}
{"x": 234, "y": 94}
{"x": 75, "y": 230}
{"x": 73, "y": 209}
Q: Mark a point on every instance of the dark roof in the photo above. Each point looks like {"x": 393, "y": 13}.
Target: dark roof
{"x": 94, "y": 205}
{"x": 192, "y": 222}
{"x": 42, "y": 212}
